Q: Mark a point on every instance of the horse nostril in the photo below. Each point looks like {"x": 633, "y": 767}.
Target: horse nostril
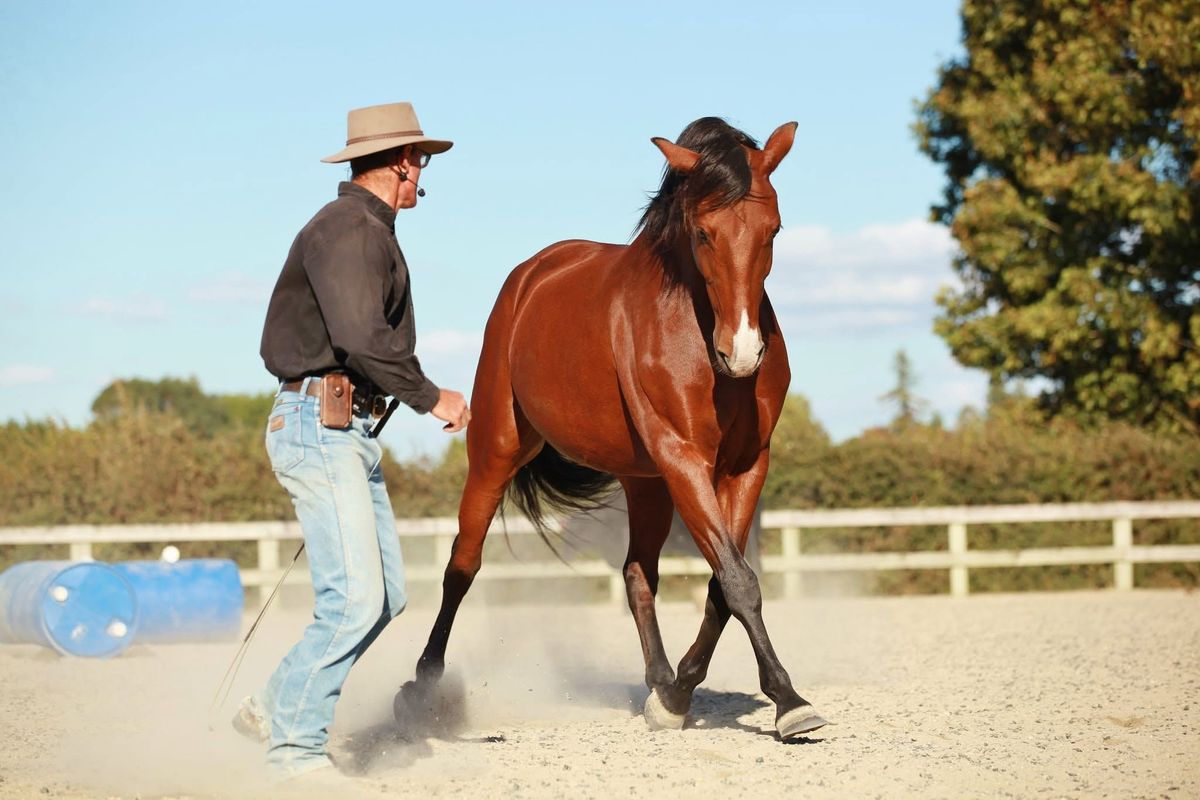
{"x": 761, "y": 350}
{"x": 724, "y": 357}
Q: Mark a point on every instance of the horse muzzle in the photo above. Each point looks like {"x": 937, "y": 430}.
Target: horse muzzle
{"x": 744, "y": 353}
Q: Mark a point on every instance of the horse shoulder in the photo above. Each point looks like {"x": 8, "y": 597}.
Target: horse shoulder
{"x": 665, "y": 376}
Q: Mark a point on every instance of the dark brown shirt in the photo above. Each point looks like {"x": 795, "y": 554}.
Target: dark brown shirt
{"x": 343, "y": 302}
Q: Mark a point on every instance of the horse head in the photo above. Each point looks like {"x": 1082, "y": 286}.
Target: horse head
{"x": 730, "y": 216}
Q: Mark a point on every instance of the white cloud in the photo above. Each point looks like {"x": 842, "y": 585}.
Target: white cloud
{"x": 879, "y": 276}
{"x": 850, "y": 319}
{"x": 907, "y": 245}
{"x": 232, "y": 287}
{"x": 137, "y": 307}
{"x": 857, "y": 289}
{"x": 25, "y": 375}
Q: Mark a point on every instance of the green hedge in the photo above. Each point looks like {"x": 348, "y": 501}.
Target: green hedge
{"x": 146, "y": 466}
{"x": 151, "y": 467}
{"x": 1013, "y": 457}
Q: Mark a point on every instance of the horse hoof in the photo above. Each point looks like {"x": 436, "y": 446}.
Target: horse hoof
{"x": 410, "y": 705}
{"x": 425, "y": 708}
{"x": 657, "y": 715}
{"x": 798, "y": 721}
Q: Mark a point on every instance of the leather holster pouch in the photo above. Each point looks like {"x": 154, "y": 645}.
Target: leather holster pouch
{"x": 337, "y": 399}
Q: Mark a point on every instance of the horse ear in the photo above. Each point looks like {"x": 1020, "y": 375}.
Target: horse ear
{"x": 778, "y": 145}
{"x": 680, "y": 158}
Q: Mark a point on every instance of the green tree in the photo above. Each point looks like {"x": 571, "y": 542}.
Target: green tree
{"x": 427, "y": 486}
{"x": 179, "y": 397}
{"x": 182, "y": 398}
{"x": 798, "y": 446}
{"x": 1068, "y": 133}
{"x": 1012, "y": 404}
{"x": 908, "y": 405}
{"x": 245, "y": 410}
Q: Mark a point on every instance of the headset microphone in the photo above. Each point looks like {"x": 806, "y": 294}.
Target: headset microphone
{"x": 404, "y": 177}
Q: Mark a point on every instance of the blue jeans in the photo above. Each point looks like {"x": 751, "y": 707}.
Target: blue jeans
{"x": 336, "y": 485}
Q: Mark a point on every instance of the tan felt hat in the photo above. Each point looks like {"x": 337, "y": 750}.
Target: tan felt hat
{"x": 375, "y": 128}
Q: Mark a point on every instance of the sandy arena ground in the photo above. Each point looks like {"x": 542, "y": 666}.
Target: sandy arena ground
{"x": 1059, "y": 695}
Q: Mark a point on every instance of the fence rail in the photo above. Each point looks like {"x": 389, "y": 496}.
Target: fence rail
{"x": 792, "y": 563}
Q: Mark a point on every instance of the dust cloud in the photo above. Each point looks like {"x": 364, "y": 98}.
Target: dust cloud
{"x": 140, "y": 724}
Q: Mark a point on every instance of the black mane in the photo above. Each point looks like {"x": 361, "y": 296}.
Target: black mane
{"x": 721, "y": 178}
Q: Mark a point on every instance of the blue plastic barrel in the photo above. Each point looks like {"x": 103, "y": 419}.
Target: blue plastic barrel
{"x": 193, "y": 600}
{"x": 79, "y": 608}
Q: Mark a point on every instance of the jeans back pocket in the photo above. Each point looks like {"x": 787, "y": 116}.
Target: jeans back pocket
{"x": 285, "y": 436}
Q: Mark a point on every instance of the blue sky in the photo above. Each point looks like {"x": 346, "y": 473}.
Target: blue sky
{"x": 156, "y": 160}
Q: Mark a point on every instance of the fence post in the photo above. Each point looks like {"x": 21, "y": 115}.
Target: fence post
{"x": 1122, "y": 542}
{"x": 268, "y": 566}
{"x": 960, "y": 584}
{"x": 793, "y": 580}
{"x": 81, "y": 551}
{"x": 616, "y": 590}
{"x": 443, "y": 548}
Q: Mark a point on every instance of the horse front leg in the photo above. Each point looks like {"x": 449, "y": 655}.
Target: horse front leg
{"x": 737, "y": 496}
{"x": 735, "y": 591}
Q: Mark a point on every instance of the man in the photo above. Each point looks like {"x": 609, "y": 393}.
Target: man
{"x": 339, "y": 336}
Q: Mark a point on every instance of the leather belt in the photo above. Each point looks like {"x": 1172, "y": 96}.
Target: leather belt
{"x": 314, "y": 387}
{"x": 363, "y": 402}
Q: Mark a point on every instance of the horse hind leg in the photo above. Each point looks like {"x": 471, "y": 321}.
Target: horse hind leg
{"x": 429, "y": 703}
{"x": 481, "y": 497}
{"x": 496, "y": 448}
{"x": 650, "y": 511}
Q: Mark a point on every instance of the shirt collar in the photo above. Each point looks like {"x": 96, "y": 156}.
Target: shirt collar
{"x": 376, "y": 206}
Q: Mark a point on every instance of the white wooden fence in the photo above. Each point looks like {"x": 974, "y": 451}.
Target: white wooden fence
{"x": 792, "y": 563}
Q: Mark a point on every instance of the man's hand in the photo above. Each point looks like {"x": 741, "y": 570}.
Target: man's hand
{"x": 452, "y": 409}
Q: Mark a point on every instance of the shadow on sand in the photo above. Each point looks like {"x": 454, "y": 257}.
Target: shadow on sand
{"x": 441, "y": 713}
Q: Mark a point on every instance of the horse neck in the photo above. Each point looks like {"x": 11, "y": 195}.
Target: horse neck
{"x": 678, "y": 272}
{"x": 675, "y": 263}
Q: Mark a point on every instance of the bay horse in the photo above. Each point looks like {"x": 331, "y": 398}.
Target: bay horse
{"x": 659, "y": 363}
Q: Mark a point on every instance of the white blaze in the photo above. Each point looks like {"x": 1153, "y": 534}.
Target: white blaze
{"x": 747, "y": 344}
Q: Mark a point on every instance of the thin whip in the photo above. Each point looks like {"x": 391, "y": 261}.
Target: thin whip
{"x": 230, "y": 675}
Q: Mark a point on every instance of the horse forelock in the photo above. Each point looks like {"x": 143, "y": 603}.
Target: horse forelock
{"x": 721, "y": 178}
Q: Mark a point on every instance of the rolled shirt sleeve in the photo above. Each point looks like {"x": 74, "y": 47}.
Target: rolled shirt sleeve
{"x": 363, "y": 294}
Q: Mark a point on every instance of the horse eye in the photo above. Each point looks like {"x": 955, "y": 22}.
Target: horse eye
{"x": 775, "y": 232}
{"x": 701, "y": 236}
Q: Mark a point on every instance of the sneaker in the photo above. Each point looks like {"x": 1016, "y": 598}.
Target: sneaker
{"x": 250, "y": 722}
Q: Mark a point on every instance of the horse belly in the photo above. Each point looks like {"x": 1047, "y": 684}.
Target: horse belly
{"x": 587, "y": 435}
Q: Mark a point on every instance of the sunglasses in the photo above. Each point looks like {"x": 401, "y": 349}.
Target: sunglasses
{"x": 420, "y": 158}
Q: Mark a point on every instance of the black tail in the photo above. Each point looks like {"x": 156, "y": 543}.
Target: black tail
{"x": 551, "y": 483}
